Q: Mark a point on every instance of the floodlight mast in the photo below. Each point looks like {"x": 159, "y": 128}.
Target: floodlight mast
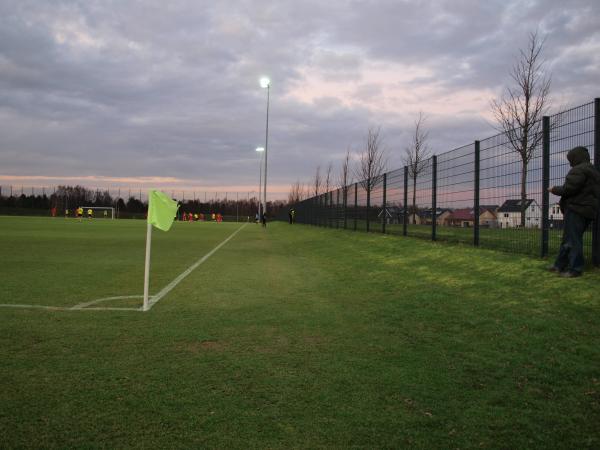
{"x": 265, "y": 83}
{"x": 261, "y": 151}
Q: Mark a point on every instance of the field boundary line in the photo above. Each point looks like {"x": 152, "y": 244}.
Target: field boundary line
{"x": 67, "y": 308}
{"x": 8, "y": 305}
{"x": 169, "y": 287}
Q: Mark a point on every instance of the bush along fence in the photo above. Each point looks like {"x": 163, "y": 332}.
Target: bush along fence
{"x": 486, "y": 193}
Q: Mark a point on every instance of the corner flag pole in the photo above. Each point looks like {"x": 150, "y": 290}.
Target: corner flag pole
{"x": 161, "y": 214}
{"x": 147, "y": 265}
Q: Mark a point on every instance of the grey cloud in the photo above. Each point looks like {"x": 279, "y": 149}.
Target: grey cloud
{"x": 170, "y": 88}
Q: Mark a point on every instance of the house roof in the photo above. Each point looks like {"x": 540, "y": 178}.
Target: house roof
{"x": 462, "y": 214}
{"x": 514, "y": 205}
{"x": 467, "y": 213}
{"x": 491, "y": 208}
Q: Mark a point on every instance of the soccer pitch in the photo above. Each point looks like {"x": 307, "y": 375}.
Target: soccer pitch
{"x": 292, "y": 336}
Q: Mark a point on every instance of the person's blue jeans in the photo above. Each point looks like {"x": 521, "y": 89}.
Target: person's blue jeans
{"x": 570, "y": 254}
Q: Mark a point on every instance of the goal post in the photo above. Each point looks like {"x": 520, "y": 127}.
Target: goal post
{"x": 110, "y": 211}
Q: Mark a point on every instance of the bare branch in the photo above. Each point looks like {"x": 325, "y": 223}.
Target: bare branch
{"x": 318, "y": 181}
{"x": 297, "y": 193}
{"x": 345, "y": 177}
{"x": 372, "y": 161}
{"x": 328, "y": 179}
{"x": 417, "y": 156}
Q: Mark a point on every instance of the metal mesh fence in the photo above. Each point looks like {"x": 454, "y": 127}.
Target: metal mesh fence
{"x": 490, "y": 193}
{"x": 571, "y": 128}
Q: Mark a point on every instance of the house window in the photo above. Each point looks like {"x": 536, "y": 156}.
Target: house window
{"x": 505, "y": 214}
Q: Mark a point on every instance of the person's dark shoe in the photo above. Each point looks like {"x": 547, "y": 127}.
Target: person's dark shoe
{"x": 570, "y": 274}
{"x": 554, "y": 269}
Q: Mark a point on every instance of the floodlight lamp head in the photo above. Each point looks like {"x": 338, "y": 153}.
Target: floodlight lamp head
{"x": 265, "y": 82}
{"x": 260, "y": 149}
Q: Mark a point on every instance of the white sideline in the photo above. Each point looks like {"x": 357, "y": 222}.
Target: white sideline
{"x": 67, "y": 308}
{"x": 87, "y": 306}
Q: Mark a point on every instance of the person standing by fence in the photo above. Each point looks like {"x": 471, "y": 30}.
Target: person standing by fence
{"x": 579, "y": 202}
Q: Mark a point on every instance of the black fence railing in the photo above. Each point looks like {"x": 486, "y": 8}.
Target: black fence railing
{"x": 482, "y": 194}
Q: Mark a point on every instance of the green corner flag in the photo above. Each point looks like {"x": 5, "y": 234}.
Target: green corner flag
{"x": 161, "y": 210}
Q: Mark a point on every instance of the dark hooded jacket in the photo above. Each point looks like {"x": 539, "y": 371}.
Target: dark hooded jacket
{"x": 581, "y": 190}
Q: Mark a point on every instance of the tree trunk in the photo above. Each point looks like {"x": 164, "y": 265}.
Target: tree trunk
{"x": 523, "y": 193}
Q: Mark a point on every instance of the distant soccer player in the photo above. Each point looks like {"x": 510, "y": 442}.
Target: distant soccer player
{"x": 80, "y": 213}
{"x": 105, "y": 214}
{"x": 90, "y": 213}
{"x": 66, "y": 213}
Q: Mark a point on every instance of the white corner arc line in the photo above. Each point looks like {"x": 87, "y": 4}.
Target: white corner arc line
{"x": 169, "y": 287}
{"x": 106, "y": 299}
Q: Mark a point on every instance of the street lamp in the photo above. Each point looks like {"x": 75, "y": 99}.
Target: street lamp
{"x": 265, "y": 83}
{"x": 261, "y": 151}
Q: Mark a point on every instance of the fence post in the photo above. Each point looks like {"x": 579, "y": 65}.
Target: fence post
{"x": 596, "y": 223}
{"x": 330, "y": 210}
{"x": 476, "y": 195}
{"x": 321, "y": 208}
{"x": 337, "y": 208}
{"x": 326, "y": 209}
{"x": 368, "y": 202}
{"x": 545, "y": 183}
{"x": 405, "y": 218}
{"x": 384, "y": 212}
{"x": 434, "y": 199}
{"x": 355, "y": 203}
{"x": 345, "y": 207}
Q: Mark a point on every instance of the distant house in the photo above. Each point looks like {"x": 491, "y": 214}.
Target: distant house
{"x": 555, "y": 216}
{"x": 392, "y": 214}
{"x": 462, "y": 217}
{"x": 425, "y": 216}
{"x": 509, "y": 214}
{"x": 465, "y": 217}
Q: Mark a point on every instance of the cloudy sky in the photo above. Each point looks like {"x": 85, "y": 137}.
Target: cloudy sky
{"x": 166, "y": 93}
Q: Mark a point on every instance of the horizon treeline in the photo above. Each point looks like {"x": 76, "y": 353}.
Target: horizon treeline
{"x": 71, "y": 197}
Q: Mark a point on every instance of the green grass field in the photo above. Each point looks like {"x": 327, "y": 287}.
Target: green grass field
{"x": 290, "y": 337}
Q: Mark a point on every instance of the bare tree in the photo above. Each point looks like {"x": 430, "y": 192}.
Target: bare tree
{"x": 296, "y": 193}
{"x": 520, "y": 110}
{"x": 417, "y": 156}
{"x": 328, "y": 180}
{"x": 371, "y": 165}
{"x": 318, "y": 181}
{"x": 345, "y": 178}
